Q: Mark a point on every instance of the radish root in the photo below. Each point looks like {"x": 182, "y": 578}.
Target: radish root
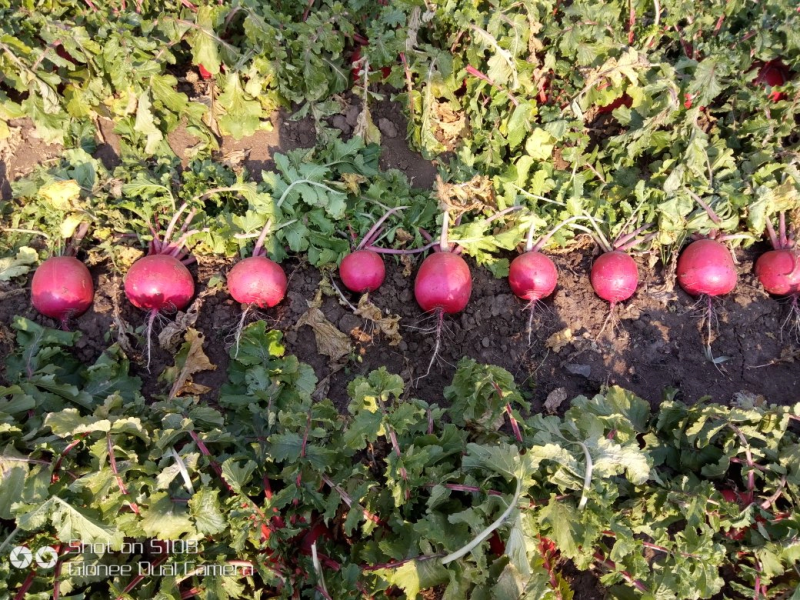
{"x": 439, "y": 314}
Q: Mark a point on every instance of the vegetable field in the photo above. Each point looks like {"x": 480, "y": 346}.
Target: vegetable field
{"x": 427, "y": 299}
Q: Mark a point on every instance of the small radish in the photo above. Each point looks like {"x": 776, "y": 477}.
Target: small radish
{"x": 705, "y": 268}
{"x": 256, "y": 281}
{"x": 356, "y": 60}
{"x": 443, "y": 284}
{"x": 204, "y": 73}
{"x": 532, "y": 276}
{"x": 62, "y": 286}
{"x": 362, "y": 270}
{"x": 779, "y": 269}
{"x": 773, "y": 74}
{"x": 615, "y": 276}
{"x": 160, "y": 281}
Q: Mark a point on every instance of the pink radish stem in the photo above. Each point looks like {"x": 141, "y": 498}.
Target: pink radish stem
{"x": 261, "y": 238}
{"x": 367, "y": 239}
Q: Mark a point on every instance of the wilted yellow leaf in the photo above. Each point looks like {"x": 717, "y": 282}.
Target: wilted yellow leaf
{"x": 190, "y": 360}
{"x": 62, "y": 195}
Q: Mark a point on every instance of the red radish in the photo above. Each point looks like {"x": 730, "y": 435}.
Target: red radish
{"x": 532, "y": 276}
{"x": 779, "y": 269}
{"x": 204, "y": 73}
{"x": 256, "y": 281}
{"x": 356, "y": 60}
{"x": 363, "y": 270}
{"x": 443, "y": 284}
{"x": 773, "y": 74}
{"x": 160, "y": 281}
{"x": 706, "y": 267}
{"x": 62, "y": 288}
{"x": 779, "y": 272}
{"x": 689, "y": 101}
{"x": 614, "y": 276}
{"x": 623, "y": 100}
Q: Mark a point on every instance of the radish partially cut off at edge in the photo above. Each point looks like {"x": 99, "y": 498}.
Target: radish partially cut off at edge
{"x": 779, "y": 270}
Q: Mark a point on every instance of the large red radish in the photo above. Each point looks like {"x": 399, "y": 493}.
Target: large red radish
{"x": 705, "y": 267}
{"x": 443, "y": 283}
{"x": 62, "y": 288}
{"x": 614, "y": 276}
{"x": 257, "y": 280}
{"x": 160, "y": 281}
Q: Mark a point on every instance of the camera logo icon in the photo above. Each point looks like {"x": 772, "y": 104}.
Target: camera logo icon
{"x": 21, "y": 557}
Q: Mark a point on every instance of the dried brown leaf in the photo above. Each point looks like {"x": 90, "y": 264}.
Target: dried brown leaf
{"x": 190, "y": 360}
{"x": 388, "y": 325}
{"x": 330, "y": 341}
{"x": 170, "y": 337}
{"x": 555, "y": 399}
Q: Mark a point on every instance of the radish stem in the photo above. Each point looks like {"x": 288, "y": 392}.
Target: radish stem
{"x": 488, "y": 531}
{"x": 443, "y": 245}
{"x": 367, "y": 239}
{"x": 262, "y": 237}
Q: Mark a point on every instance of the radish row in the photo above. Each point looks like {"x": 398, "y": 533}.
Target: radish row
{"x": 62, "y": 286}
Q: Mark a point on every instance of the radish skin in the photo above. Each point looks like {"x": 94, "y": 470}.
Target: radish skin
{"x": 443, "y": 282}
{"x": 614, "y": 276}
{"x": 532, "y": 276}
{"x": 779, "y": 272}
{"x": 62, "y": 288}
{"x": 159, "y": 282}
{"x": 362, "y": 271}
{"x": 257, "y": 280}
{"x": 706, "y": 267}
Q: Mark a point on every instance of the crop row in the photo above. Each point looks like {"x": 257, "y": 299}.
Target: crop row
{"x": 161, "y": 282}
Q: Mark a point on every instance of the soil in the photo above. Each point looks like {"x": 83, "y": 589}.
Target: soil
{"x": 656, "y": 340}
